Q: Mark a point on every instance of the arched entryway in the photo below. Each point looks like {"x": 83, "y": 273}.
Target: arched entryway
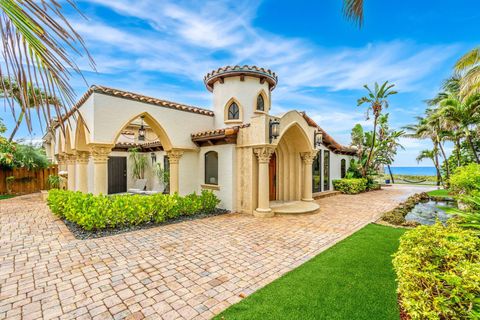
{"x": 289, "y": 180}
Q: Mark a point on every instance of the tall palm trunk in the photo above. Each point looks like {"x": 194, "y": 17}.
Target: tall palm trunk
{"x": 374, "y": 137}
{"x": 457, "y": 146}
{"x": 470, "y": 142}
{"x": 19, "y": 122}
{"x": 436, "y": 163}
{"x": 447, "y": 167}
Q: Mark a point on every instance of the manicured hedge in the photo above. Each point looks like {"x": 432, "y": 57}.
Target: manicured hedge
{"x": 350, "y": 186}
{"x": 99, "y": 212}
{"x": 438, "y": 272}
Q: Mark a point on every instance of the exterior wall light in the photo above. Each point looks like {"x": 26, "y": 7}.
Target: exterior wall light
{"x": 318, "y": 139}
{"x": 274, "y": 131}
{"x": 154, "y": 157}
{"x": 141, "y": 132}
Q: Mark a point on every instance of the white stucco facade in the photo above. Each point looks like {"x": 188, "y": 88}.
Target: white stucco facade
{"x": 254, "y": 157}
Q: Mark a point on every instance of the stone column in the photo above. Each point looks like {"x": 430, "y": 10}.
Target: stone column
{"x": 82, "y": 171}
{"x": 263, "y": 210}
{"x": 61, "y": 161}
{"x": 100, "y": 154}
{"x": 71, "y": 159}
{"x": 174, "y": 158}
{"x": 307, "y": 158}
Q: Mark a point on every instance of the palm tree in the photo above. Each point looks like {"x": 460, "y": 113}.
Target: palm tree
{"x": 36, "y": 98}
{"x": 432, "y": 155}
{"x": 425, "y": 128}
{"x": 40, "y": 48}
{"x": 376, "y": 99}
{"x": 468, "y": 66}
{"x": 463, "y": 114}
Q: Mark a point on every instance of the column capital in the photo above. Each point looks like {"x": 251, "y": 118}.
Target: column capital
{"x": 83, "y": 157}
{"x": 308, "y": 157}
{"x": 100, "y": 151}
{"x": 61, "y": 157}
{"x": 264, "y": 153}
{"x": 71, "y": 157}
{"x": 174, "y": 156}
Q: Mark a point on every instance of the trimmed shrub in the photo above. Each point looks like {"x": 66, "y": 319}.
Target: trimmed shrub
{"x": 99, "y": 212}
{"x": 350, "y": 186}
{"x": 438, "y": 272}
{"x": 466, "y": 179}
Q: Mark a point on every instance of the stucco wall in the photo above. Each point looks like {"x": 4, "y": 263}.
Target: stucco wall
{"x": 226, "y": 175}
{"x": 245, "y": 92}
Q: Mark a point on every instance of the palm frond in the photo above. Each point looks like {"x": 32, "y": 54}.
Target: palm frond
{"x": 468, "y": 60}
{"x": 40, "y": 48}
{"x": 353, "y": 10}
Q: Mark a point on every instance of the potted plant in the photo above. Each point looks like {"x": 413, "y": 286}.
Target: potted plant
{"x": 9, "y": 181}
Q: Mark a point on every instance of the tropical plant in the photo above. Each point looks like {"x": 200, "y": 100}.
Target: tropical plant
{"x": 9, "y": 181}
{"x": 30, "y": 157}
{"x": 350, "y": 186}
{"x": 431, "y": 155}
{"x": 40, "y": 50}
{"x": 469, "y": 218}
{"x": 7, "y": 149}
{"x": 54, "y": 181}
{"x": 162, "y": 175}
{"x": 353, "y": 10}
{"x": 36, "y": 99}
{"x": 139, "y": 163}
{"x": 469, "y": 67}
{"x": 377, "y": 99}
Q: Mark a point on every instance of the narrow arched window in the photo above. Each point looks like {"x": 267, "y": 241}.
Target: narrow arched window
{"x": 260, "y": 103}
{"x": 211, "y": 167}
{"x": 343, "y": 168}
{"x": 233, "y": 112}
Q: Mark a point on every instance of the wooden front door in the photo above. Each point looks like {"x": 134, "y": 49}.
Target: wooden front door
{"x": 272, "y": 169}
{"x": 117, "y": 174}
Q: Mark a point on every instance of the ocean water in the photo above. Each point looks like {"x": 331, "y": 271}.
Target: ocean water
{"x": 413, "y": 171}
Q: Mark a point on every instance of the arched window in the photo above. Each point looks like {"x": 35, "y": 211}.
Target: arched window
{"x": 211, "y": 167}
{"x": 233, "y": 112}
{"x": 260, "y": 103}
{"x": 343, "y": 168}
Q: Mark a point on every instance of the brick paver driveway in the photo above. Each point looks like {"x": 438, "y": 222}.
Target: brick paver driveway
{"x": 187, "y": 270}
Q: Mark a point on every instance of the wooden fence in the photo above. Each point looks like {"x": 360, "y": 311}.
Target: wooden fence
{"x": 26, "y": 181}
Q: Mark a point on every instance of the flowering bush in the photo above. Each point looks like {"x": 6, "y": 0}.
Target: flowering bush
{"x": 466, "y": 179}
{"x": 99, "y": 212}
{"x": 350, "y": 186}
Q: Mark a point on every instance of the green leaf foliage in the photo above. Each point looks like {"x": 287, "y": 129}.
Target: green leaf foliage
{"x": 350, "y": 186}
{"x": 465, "y": 180}
{"x": 95, "y": 212}
{"x": 438, "y": 273}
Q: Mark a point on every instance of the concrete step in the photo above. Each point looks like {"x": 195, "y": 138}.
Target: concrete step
{"x": 326, "y": 194}
{"x": 294, "y": 207}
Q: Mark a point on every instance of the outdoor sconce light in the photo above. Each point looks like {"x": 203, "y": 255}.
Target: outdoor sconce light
{"x": 274, "y": 129}
{"x": 318, "y": 138}
{"x": 154, "y": 157}
{"x": 141, "y": 132}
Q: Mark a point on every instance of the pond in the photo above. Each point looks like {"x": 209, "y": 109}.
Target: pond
{"x": 428, "y": 212}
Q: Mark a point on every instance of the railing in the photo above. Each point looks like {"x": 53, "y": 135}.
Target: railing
{"x": 25, "y": 181}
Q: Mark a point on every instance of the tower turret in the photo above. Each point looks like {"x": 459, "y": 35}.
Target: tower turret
{"x": 239, "y": 93}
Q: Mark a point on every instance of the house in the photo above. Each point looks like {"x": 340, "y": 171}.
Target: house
{"x": 252, "y": 160}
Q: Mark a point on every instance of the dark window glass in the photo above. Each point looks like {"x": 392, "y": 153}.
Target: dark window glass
{"x": 317, "y": 173}
{"x": 233, "y": 111}
{"x": 343, "y": 168}
{"x": 166, "y": 167}
{"x": 260, "y": 103}
{"x": 326, "y": 170}
{"x": 211, "y": 167}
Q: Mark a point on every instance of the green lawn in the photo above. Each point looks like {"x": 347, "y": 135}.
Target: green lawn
{"x": 439, "y": 193}
{"x": 6, "y": 196}
{"x": 352, "y": 280}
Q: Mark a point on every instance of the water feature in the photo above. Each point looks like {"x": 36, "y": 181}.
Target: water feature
{"x": 428, "y": 212}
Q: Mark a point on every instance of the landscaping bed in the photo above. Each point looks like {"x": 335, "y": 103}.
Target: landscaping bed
{"x": 93, "y": 216}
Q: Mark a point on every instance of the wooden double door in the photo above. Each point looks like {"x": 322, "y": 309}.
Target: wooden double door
{"x": 272, "y": 170}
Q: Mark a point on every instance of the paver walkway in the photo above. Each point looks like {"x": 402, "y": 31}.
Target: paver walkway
{"x": 187, "y": 270}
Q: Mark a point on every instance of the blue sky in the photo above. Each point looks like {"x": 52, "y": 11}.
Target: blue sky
{"x": 164, "y": 48}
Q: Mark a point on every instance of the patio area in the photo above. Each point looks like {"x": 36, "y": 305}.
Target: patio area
{"x": 189, "y": 270}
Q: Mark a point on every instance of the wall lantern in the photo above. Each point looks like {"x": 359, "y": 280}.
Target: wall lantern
{"x": 154, "y": 157}
{"x": 318, "y": 139}
{"x": 274, "y": 131}
{"x": 141, "y": 132}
